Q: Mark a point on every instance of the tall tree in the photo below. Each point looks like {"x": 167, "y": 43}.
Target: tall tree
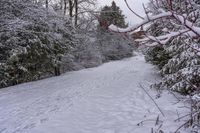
{"x": 71, "y": 8}
{"x": 112, "y": 15}
{"x": 75, "y": 9}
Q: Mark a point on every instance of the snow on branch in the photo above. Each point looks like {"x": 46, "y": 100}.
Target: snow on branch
{"x": 144, "y": 22}
{"x": 189, "y": 25}
{"x": 163, "y": 39}
{"x": 190, "y": 29}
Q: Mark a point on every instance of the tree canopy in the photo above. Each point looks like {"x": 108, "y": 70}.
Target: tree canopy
{"x": 112, "y": 15}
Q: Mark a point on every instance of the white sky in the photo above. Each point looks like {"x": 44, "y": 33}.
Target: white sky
{"x": 136, "y": 5}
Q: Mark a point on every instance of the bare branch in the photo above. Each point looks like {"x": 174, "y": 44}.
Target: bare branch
{"x": 152, "y": 100}
{"x": 133, "y": 11}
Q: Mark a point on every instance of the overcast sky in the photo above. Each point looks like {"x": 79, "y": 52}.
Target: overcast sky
{"x": 136, "y": 5}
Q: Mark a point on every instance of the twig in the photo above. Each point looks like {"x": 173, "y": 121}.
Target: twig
{"x": 140, "y": 123}
{"x": 181, "y": 117}
{"x": 160, "y": 128}
{"x": 157, "y": 120}
{"x": 151, "y": 130}
{"x": 178, "y": 115}
{"x": 178, "y": 100}
{"x": 152, "y": 100}
{"x": 182, "y": 126}
{"x": 133, "y": 11}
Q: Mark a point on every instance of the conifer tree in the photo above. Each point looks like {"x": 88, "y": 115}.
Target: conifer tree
{"x": 112, "y": 15}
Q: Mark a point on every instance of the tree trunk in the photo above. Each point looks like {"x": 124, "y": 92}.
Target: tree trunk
{"x": 65, "y": 6}
{"x": 70, "y": 9}
{"x": 61, "y": 4}
{"x": 47, "y": 4}
{"x": 76, "y": 12}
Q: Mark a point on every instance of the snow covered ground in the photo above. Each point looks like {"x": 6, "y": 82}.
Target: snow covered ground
{"x": 105, "y": 99}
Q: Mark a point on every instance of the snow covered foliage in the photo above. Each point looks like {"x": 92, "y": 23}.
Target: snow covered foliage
{"x": 101, "y": 46}
{"x": 112, "y": 15}
{"x": 32, "y": 41}
{"x": 87, "y": 54}
{"x": 37, "y": 42}
{"x": 157, "y": 56}
{"x": 181, "y": 71}
{"x": 114, "y": 46}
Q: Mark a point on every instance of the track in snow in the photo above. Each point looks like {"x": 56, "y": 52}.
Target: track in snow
{"x": 105, "y": 99}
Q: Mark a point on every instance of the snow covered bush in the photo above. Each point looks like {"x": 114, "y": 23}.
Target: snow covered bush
{"x": 87, "y": 54}
{"x": 113, "y": 46}
{"x": 33, "y": 41}
{"x": 180, "y": 71}
{"x": 157, "y": 56}
{"x": 99, "y": 47}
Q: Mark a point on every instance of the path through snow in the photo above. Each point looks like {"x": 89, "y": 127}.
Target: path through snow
{"x": 106, "y": 99}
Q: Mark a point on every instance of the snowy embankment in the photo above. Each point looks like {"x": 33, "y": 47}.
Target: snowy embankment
{"x": 106, "y": 99}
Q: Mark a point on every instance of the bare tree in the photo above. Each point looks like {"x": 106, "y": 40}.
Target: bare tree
{"x": 71, "y": 8}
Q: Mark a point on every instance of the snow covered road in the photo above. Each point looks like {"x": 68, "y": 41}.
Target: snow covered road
{"x": 105, "y": 99}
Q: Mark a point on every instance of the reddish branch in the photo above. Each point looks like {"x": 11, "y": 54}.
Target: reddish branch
{"x": 190, "y": 30}
{"x": 170, "y": 5}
